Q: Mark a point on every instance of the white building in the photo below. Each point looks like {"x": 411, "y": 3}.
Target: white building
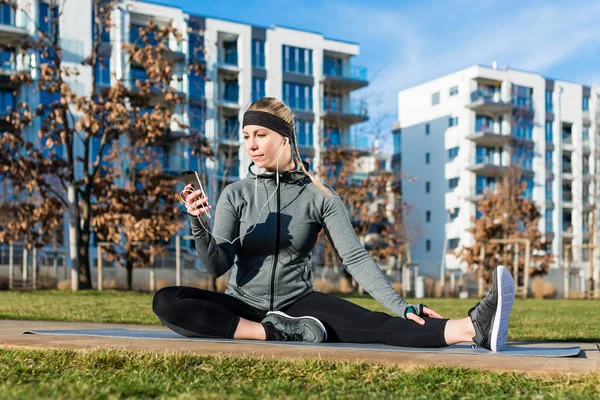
{"x": 313, "y": 74}
{"x": 454, "y": 132}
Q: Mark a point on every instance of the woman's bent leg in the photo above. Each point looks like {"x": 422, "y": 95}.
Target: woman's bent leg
{"x": 348, "y": 322}
{"x": 196, "y": 312}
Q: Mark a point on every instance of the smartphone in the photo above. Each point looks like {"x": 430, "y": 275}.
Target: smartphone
{"x": 191, "y": 177}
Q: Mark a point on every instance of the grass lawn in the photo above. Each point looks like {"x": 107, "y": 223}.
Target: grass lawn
{"x": 121, "y": 374}
{"x": 561, "y": 320}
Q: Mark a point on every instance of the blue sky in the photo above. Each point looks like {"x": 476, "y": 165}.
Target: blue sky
{"x": 404, "y": 43}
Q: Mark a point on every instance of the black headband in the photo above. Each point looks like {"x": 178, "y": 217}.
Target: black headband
{"x": 268, "y": 120}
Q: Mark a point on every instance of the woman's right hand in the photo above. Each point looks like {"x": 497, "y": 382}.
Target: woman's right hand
{"x": 196, "y": 202}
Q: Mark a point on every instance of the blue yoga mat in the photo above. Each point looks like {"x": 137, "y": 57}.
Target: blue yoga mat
{"x": 533, "y": 350}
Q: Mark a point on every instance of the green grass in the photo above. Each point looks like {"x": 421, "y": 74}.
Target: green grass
{"x": 121, "y": 374}
{"x": 560, "y": 320}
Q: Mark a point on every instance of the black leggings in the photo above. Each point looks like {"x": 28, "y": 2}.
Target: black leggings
{"x": 201, "y": 313}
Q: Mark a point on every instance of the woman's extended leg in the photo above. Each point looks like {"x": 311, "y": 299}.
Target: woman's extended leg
{"x": 348, "y": 322}
{"x": 196, "y": 312}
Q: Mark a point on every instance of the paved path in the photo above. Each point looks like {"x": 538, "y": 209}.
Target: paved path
{"x": 11, "y": 337}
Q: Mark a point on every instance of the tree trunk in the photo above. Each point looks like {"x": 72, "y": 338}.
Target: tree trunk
{"x": 129, "y": 268}
{"x": 85, "y": 277}
{"x": 74, "y": 233}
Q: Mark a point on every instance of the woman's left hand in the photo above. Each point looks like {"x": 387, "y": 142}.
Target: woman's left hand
{"x": 428, "y": 312}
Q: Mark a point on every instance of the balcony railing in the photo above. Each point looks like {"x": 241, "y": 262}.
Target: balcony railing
{"x": 337, "y": 105}
{"x": 487, "y": 160}
{"x": 567, "y": 197}
{"x": 491, "y": 96}
{"x": 230, "y": 95}
{"x": 566, "y": 168}
{"x": 228, "y": 57}
{"x": 347, "y": 72}
{"x": 567, "y": 138}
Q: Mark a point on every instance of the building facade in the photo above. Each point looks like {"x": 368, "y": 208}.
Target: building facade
{"x": 453, "y": 134}
{"x": 311, "y": 73}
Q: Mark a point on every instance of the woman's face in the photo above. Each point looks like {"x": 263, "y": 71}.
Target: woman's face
{"x": 264, "y": 145}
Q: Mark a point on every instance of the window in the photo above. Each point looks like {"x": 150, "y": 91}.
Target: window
{"x": 229, "y": 53}
{"x": 585, "y": 136}
{"x": 549, "y": 159}
{"x": 453, "y": 153}
{"x": 452, "y": 121}
{"x": 549, "y": 131}
{"x": 548, "y": 191}
{"x": 427, "y": 129}
{"x": 428, "y": 245}
{"x": 452, "y": 183}
{"x": 435, "y": 98}
{"x": 427, "y": 158}
{"x": 7, "y": 59}
{"x": 258, "y": 53}
{"x": 585, "y": 103}
{"x": 332, "y": 67}
{"x": 196, "y": 116}
{"x": 428, "y": 216}
{"x": 453, "y": 243}
{"x": 196, "y": 85}
{"x": 7, "y": 99}
{"x": 103, "y": 71}
{"x": 196, "y": 44}
{"x": 297, "y": 60}
{"x": 427, "y": 187}
{"x": 47, "y": 18}
{"x": 453, "y": 214}
{"x": 549, "y": 106}
{"x": 231, "y": 91}
{"x": 453, "y": 91}
{"x": 483, "y": 123}
{"x": 258, "y": 88}
{"x": 297, "y": 96}
{"x": 528, "y": 192}
{"x": 304, "y": 133}
{"x": 523, "y": 126}
{"x": 483, "y": 183}
{"x": 7, "y": 14}
{"x": 522, "y": 96}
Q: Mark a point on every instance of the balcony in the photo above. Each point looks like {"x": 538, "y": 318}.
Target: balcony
{"x": 485, "y": 165}
{"x": 488, "y": 138}
{"x": 227, "y": 62}
{"x": 489, "y": 101}
{"x": 10, "y": 31}
{"x": 345, "y": 76}
{"x": 229, "y": 98}
{"x": 338, "y": 110}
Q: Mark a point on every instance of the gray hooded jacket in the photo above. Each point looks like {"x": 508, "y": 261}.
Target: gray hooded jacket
{"x": 273, "y": 264}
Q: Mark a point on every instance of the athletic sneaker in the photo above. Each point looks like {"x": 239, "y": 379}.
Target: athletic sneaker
{"x": 490, "y": 316}
{"x": 282, "y": 327}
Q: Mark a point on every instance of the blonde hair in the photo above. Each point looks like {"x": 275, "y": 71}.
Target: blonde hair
{"x": 279, "y": 109}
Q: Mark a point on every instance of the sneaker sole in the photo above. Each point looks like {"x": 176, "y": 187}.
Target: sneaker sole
{"x": 506, "y": 298}
{"x": 319, "y": 323}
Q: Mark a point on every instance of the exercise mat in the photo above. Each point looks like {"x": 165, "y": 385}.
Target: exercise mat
{"x": 526, "y": 350}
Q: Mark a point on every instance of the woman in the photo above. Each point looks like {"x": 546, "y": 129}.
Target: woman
{"x": 266, "y": 226}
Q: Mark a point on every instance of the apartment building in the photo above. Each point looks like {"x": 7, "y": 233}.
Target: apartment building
{"x": 313, "y": 74}
{"x": 457, "y": 134}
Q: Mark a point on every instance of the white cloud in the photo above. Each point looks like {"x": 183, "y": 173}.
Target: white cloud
{"x": 527, "y": 36}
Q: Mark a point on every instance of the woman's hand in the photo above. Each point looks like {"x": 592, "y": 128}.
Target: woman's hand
{"x": 427, "y": 311}
{"x": 196, "y": 202}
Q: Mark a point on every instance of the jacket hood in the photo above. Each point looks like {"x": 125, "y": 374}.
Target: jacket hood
{"x": 291, "y": 176}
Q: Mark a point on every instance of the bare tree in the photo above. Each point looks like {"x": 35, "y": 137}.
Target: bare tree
{"x": 507, "y": 214}
{"x": 82, "y": 127}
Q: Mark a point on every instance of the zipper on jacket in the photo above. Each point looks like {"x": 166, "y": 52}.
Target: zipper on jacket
{"x": 274, "y": 269}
